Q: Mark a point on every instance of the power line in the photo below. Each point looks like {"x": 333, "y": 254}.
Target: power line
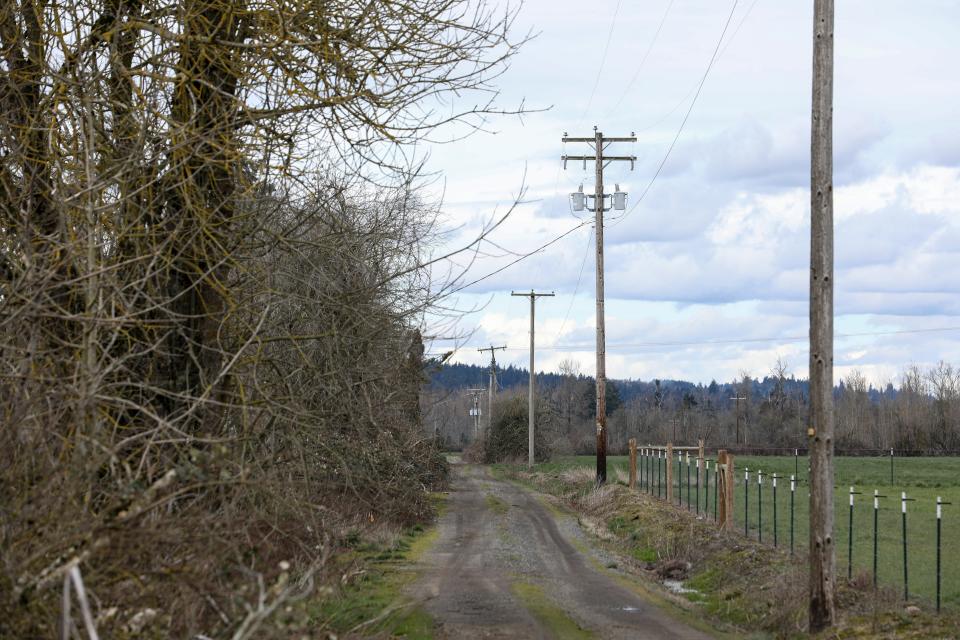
{"x": 683, "y": 123}
{"x": 573, "y": 298}
{"x": 693, "y": 87}
{"x": 643, "y": 60}
{"x": 603, "y": 60}
{"x": 522, "y": 257}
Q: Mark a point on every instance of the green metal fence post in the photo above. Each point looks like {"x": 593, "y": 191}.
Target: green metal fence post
{"x": 746, "y": 501}
{"x": 940, "y": 504}
{"x": 774, "y": 477}
{"x": 850, "y": 536}
{"x": 760, "y": 505}
{"x": 697, "y": 502}
{"x": 876, "y": 520}
{"x": 793, "y": 491}
{"x": 903, "y": 510}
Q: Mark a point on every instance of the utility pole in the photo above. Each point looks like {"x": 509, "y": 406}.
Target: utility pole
{"x": 738, "y": 399}
{"x": 674, "y": 421}
{"x": 820, "y": 430}
{"x": 475, "y": 412}
{"x": 493, "y": 382}
{"x": 619, "y": 202}
{"x": 531, "y": 419}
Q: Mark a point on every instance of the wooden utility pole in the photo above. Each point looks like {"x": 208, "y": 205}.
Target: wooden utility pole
{"x": 475, "y": 412}
{"x": 600, "y": 161}
{"x": 531, "y": 420}
{"x": 820, "y": 430}
{"x": 493, "y": 382}
{"x": 736, "y": 438}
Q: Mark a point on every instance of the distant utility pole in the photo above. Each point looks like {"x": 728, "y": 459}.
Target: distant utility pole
{"x": 531, "y": 419}
{"x": 820, "y": 430}
{"x": 619, "y": 202}
{"x": 475, "y": 412}
{"x": 493, "y": 382}
{"x": 738, "y": 399}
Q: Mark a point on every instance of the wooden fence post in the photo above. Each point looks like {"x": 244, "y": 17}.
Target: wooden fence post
{"x": 633, "y": 463}
{"x": 669, "y": 473}
{"x": 725, "y": 479}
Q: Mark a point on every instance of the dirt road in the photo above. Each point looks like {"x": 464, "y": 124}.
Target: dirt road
{"x": 506, "y": 566}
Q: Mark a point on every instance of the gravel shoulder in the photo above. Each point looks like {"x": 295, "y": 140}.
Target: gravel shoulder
{"x": 506, "y": 566}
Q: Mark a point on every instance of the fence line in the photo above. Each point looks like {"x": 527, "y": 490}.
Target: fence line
{"x": 658, "y": 470}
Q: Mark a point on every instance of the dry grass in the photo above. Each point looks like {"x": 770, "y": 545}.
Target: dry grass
{"x": 578, "y": 475}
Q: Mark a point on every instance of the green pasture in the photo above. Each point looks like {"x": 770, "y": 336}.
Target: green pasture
{"x": 923, "y": 479}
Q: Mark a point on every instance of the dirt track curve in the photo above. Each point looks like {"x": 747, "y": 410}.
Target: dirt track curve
{"x": 505, "y": 566}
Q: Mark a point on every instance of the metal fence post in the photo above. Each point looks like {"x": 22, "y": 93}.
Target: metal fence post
{"x": 760, "y": 505}
{"x": 746, "y": 501}
{"x": 688, "y": 481}
{"x": 850, "y": 536}
{"x": 793, "y": 492}
{"x": 659, "y": 484}
{"x": 698, "y": 486}
{"x": 774, "y": 477}
{"x": 903, "y": 510}
{"x": 716, "y": 487}
{"x": 940, "y": 504}
{"x": 876, "y": 520}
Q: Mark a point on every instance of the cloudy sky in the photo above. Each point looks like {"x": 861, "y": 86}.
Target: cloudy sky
{"x": 707, "y": 275}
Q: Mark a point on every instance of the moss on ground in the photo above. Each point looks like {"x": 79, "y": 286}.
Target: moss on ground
{"x": 560, "y": 625}
{"x": 496, "y": 505}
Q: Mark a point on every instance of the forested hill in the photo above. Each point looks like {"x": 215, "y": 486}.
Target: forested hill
{"x": 459, "y": 376}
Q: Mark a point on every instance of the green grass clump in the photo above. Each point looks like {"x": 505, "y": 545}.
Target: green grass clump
{"x": 561, "y": 626}
{"x": 374, "y": 603}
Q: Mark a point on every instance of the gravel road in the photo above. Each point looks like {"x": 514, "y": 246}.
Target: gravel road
{"x": 506, "y": 566}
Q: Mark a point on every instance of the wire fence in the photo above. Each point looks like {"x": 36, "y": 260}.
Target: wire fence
{"x": 892, "y": 535}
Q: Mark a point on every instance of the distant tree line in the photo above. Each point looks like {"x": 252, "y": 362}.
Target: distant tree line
{"x": 922, "y": 412}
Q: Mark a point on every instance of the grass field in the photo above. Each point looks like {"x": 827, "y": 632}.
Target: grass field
{"x": 923, "y": 479}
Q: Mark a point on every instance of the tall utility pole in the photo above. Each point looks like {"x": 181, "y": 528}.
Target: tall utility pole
{"x": 619, "y": 201}
{"x": 493, "y": 382}
{"x": 531, "y": 419}
{"x": 738, "y": 399}
{"x": 820, "y": 430}
{"x": 475, "y": 412}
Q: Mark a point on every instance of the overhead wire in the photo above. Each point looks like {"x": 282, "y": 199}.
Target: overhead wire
{"x": 617, "y": 219}
{"x": 576, "y": 289}
{"x": 643, "y": 60}
{"x": 603, "y": 60}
